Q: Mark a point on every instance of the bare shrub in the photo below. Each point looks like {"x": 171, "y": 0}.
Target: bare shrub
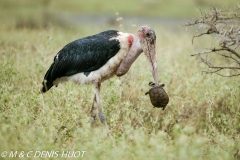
{"x": 223, "y": 58}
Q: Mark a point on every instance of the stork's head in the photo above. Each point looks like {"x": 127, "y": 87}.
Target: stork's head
{"x": 147, "y": 39}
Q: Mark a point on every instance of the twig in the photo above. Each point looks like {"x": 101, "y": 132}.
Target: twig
{"x": 225, "y": 25}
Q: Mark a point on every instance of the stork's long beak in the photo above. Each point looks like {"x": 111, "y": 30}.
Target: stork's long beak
{"x": 150, "y": 51}
{"x": 148, "y": 43}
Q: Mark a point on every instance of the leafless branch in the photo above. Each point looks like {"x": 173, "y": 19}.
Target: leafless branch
{"x": 225, "y": 25}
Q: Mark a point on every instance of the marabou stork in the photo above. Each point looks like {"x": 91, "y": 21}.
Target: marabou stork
{"x": 96, "y": 58}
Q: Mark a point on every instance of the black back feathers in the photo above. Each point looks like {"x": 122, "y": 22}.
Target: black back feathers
{"x": 82, "y": 55}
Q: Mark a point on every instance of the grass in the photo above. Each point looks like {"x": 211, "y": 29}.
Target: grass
{"x": 201, "y": 120}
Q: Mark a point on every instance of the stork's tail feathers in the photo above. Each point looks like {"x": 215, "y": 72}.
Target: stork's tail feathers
{"x": 46, "y": 86}
{"x": 47, "y": 82}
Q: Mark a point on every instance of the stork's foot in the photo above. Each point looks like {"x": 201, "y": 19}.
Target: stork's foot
{"x": 103, "y": 121}
{"x": 95, "y": 122}
{"x": 97, "y": 115}
{"x": 99, "y": 119}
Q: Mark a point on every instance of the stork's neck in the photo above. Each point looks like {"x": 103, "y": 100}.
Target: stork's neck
{"x": 136, "y": 48}
{"x": 134, "y": 51}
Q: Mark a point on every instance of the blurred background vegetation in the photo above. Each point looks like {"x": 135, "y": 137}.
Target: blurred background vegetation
{"x": 42, "y": 13}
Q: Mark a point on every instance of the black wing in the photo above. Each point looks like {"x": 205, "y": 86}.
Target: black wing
{"x": 83, "y": 55}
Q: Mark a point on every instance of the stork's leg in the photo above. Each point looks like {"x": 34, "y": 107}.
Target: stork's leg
{"x": 97, "y": 108}
{"x": 94, "y": 111}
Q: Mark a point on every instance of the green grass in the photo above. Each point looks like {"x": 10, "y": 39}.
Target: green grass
{"x": 201, "y": 120}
